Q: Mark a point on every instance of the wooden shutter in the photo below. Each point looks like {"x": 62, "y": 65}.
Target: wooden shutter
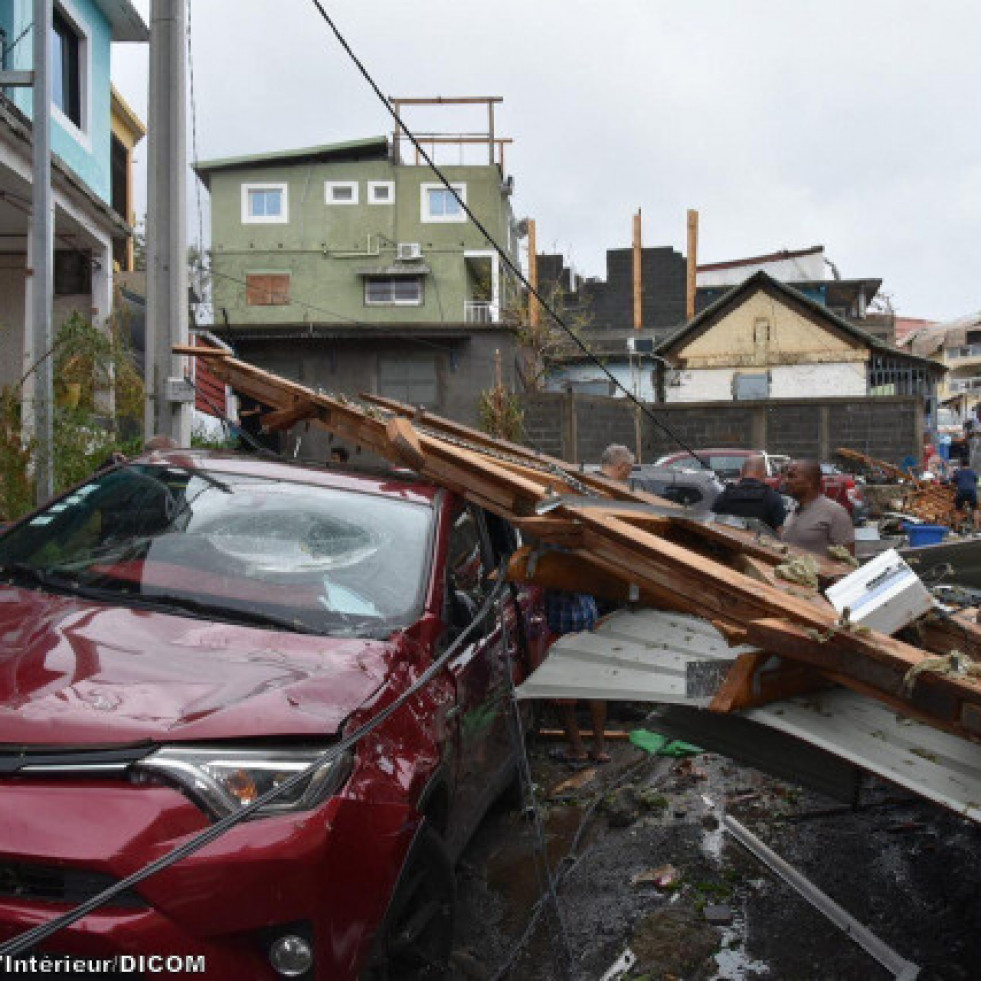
{"x": 267, "y": 289}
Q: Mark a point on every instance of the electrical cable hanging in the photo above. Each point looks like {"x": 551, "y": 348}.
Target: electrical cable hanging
{"x": 505, "y": 258}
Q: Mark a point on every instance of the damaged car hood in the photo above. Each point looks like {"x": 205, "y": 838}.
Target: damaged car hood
{"x": 76, "y": 672}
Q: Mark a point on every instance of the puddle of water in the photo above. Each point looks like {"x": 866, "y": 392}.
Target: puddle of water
{"x": 512, "y": 871}
{"x": 734, "y": 964}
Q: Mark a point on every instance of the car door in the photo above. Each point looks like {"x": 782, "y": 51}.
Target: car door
{"x": 483, "y": 755}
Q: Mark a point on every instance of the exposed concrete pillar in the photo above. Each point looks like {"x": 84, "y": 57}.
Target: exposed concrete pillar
{"x": 101, "y": 282}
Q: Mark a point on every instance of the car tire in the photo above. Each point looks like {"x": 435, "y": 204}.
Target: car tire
{"x": 416, "y": 939}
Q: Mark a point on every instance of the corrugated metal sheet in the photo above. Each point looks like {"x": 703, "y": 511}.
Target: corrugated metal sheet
{"x": 673, "y": 659}
{"x": 648, "y": 656}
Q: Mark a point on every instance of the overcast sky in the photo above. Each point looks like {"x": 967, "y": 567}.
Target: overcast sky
{"x": 786, "y": 123}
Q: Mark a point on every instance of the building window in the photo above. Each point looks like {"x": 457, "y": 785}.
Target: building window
{"x": 438, "y": 204}
{"x": 342, "y": 192}
{"x": 264, "y": 204}
{"x": 267, "y": 289}
{"x": 393, "y": 291}
{"x": 381, "y": 192}
{"x": 69, "y": 67}
{"x": 412, "y": 381}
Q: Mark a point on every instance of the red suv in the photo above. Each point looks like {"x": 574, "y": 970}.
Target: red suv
{"x": 727, "y": 463}
{"x": 183, "y": 633}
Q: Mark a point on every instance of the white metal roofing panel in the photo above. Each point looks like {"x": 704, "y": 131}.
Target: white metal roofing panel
{"x": 936, "y": 765}
{"x": 647, "y": 655}
{"x": 656, "y": 656}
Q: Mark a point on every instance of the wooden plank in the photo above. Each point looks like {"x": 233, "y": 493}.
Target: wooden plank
{"x": 571, "y": 572}
{"x": 555, "y": 531}
{"x": 282, "y": 419}
{"x": 761, "y": 678}
{"x": 405, "y": 443}
{"x": 934, "y": 696}
{"x": 736, "y": 688}
{"x": 619, "y": 550}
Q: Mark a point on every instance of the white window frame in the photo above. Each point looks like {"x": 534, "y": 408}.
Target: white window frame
{"x": 373, "y": 187}
{"x": 329, "y": 187}
{"x": 250, "y": 219}
{"x": 81, "y": 27}
{"x": 426, "y": 217}
{"x": 395, "y": 302}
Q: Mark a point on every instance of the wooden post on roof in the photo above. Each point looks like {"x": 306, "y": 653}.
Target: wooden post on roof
{"x": 534, "y": 311}
{"x": 396, "y": 134}
{"x": 490, "y": 132}
{"x": 692, "y": 263}
{"x": 638, "y": 292}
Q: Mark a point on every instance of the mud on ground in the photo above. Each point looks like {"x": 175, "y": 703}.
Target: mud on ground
{"x": 643, "y": 863}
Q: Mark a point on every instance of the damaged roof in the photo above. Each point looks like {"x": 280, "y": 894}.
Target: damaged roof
{"x": 793, "y": 298}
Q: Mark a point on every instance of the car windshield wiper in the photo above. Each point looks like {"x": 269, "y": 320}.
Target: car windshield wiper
{"x": 179, "y": 604}
{"x": 21, "y": 574}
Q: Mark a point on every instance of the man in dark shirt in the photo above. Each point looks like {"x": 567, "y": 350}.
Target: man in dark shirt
{"x": 751, "y": 497}
{"x": 965, "y": 482}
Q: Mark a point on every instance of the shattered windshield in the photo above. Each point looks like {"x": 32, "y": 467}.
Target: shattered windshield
{"x": 245, "y": 549}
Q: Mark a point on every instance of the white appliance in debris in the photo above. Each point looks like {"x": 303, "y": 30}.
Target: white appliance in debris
{"x": 885, "y": 594}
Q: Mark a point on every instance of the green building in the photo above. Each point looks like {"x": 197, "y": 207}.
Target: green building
{"x": 345, "y": 269}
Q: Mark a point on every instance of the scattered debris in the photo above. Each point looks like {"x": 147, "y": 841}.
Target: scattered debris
{"x": 718, "y": 914}
{"x": 621, "y": 966}
{"x": 673, "y": 941}
{"x": 622, "y": 807}
{"x": 658, "y": 745}
{"x": 885, "y": 955}
{"x": 663, "y": 878}
{"x": 573, "y": 784}
{"x": 802, "y": 570}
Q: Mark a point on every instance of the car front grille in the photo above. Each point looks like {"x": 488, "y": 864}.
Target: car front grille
{"x": 55, "y": 884}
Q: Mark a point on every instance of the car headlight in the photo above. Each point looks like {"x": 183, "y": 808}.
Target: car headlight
{"x": 224, "y": 779}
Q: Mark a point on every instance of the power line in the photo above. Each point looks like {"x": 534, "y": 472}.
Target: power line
{"x": 194, "y": 141}
{"x": 511, "y": 265}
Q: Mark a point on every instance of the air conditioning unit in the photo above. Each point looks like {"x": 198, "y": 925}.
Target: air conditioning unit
{"x": 407, "y": 251}
{"x": 641, "y": 345}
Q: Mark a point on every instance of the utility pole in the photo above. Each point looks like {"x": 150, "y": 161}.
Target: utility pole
{"x": 42, "y": 255}
{"x": 169, "y": 399}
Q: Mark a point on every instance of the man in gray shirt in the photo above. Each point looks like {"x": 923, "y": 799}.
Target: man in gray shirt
{"x": 818, "y": 521}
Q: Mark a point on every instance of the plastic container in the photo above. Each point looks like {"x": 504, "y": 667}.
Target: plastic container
{"x": 925, "y": 534}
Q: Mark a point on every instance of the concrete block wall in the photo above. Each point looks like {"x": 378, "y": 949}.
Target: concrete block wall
{"x": 577, "y": 428}
{"x": 609, "y": 303}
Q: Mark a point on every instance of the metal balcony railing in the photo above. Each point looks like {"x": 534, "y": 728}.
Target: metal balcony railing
{"x": 479, "y": 312}
{"x": 967, "y": 351}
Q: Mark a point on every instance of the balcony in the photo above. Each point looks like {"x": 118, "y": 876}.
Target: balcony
{"x": 480, "y": 312}
{"x": 959, "y": 385}
{"x": 967, "y": 352}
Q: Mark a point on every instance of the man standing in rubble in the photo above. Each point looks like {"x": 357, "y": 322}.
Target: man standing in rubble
{"x": 751, "y": 497}
{"x": 818, "y": 523}
{"x": 568, "y": 613}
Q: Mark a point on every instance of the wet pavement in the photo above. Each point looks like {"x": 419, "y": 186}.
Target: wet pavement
{"x": 642, "y": 861}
